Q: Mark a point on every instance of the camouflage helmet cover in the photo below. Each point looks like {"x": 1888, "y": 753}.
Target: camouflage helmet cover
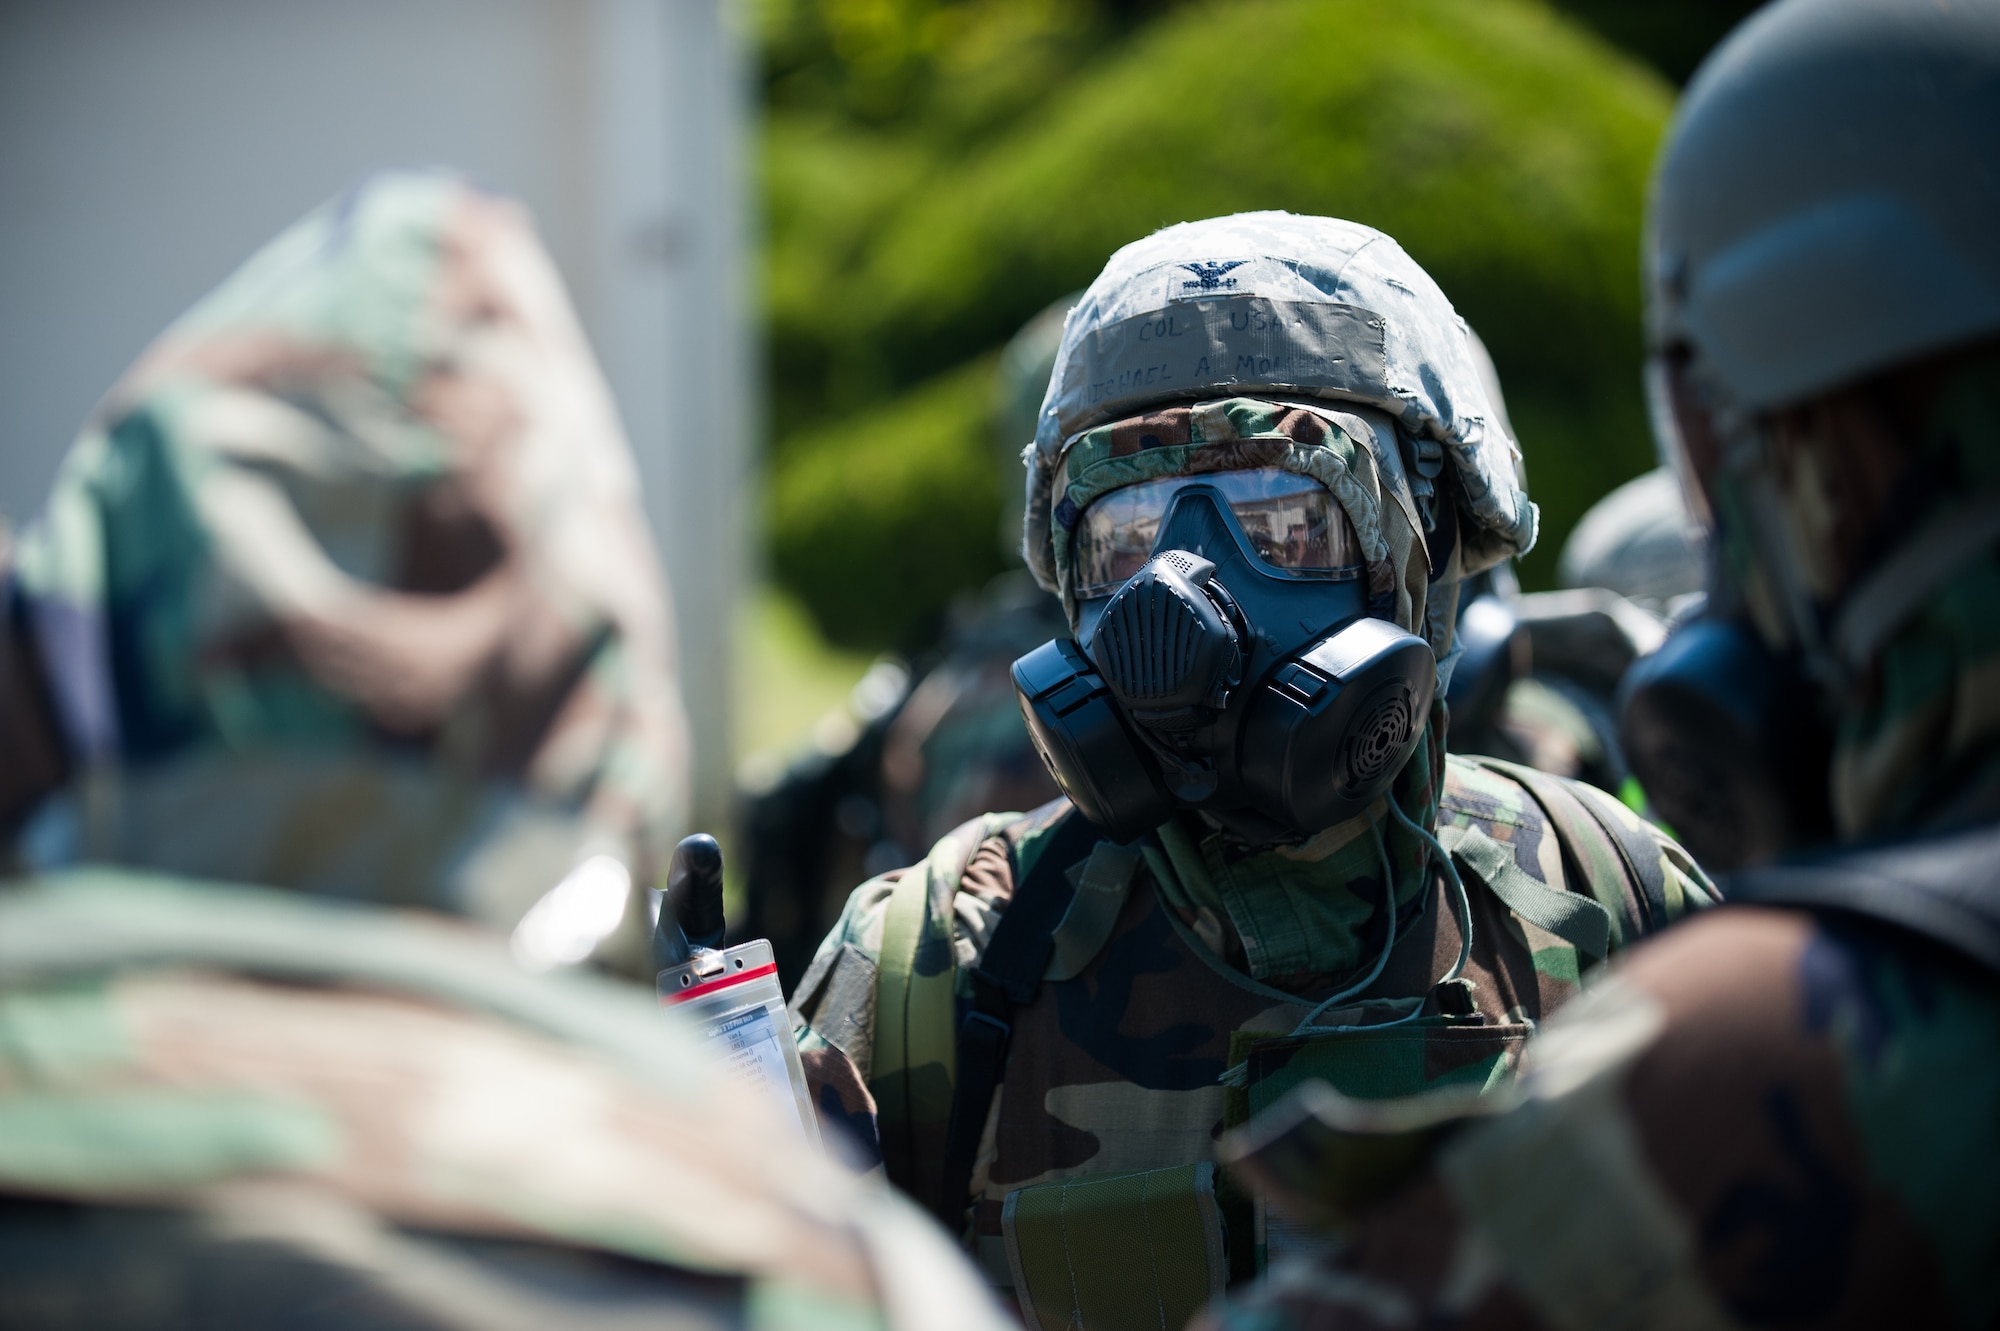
{"x": 1271, "y": 304}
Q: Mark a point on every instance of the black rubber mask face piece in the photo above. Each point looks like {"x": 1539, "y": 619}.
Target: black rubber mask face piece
{"x": 1210, "y": 680}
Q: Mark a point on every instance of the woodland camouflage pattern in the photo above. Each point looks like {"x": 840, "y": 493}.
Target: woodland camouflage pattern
{"x": 355, "y": 551}
{"x": 229, "y": 1106}
{"x": 1216, "y": 956}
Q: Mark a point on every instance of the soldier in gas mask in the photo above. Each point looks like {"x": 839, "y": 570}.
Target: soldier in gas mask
{"x": 1264, "y": 463}
{"x": 1785, "y": 1112}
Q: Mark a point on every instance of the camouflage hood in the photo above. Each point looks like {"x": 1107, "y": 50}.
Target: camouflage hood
{"x": 1329, "y": 316}
{"x": 346, "y": 586}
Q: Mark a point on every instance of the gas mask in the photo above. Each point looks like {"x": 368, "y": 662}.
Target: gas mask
{"x": 1723, "y": 736}
{"x": 1224, "y": 661}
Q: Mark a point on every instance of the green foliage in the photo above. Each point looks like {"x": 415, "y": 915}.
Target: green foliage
{"x": 866, "y": 103}
{"x": 876, "y": 522}
{"x": 791, "y": 679}
{"x": 943, "y": 68}
{"x": 1505, "y": 148}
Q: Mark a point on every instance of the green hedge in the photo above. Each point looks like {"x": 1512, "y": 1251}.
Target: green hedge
{"x": 1504, "y": 146}
{"x": 875, "y": 523}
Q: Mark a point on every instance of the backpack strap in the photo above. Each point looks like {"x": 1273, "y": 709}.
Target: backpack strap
{"x": 1005, "y": 979}
{"x": 1613, "y": 862}
{"x": 1578, "y": 918}
{"x": 1102, "y": 882}
{"x": 911, "y": 1072}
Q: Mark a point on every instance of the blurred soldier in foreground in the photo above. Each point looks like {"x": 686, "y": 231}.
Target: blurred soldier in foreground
{"x": 350, "y": 579}
{"x": 1785, "y": 1113}
{"x": 345, "y": 586}
{"x": 229, "y": 1107}
{"x": 1264, "y": 464}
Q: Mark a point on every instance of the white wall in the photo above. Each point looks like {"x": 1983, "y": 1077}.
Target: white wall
{"x": 149, "y": 146}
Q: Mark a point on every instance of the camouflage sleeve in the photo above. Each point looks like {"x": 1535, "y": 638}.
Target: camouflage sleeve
{"x": 854, "y": 945}
{"x": 835, "y": 999}
{"x": 833, "y": 1017}
{"x": 1761, "y": 1118}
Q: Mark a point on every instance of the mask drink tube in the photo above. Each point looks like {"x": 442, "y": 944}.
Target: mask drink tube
{"x": 1212, "y": 680}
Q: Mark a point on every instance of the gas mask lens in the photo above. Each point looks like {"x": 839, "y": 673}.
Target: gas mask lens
{"x": 1292, "y": 522}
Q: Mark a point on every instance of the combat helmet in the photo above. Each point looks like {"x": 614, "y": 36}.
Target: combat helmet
{"x": 1283, "y": 307}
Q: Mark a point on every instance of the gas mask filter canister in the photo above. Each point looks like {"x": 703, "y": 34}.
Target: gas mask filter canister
{"x": 1720, "y": 735}
{"x": 1231, "y": 672}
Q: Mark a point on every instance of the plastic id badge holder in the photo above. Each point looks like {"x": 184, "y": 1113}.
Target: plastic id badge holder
{"x": 734, "y": 995}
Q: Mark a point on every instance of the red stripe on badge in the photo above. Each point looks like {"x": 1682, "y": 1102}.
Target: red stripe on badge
{"x": 712, "y": 986}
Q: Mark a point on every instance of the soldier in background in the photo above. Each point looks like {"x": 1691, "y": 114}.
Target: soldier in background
{"x": 345, "y": 587}
{"x": 930, "y": 745}
{"x": 1537, "y": 681}
{"x": 1540, "y": 677}
{"x": 959, "y": 747}
{"x": 1641, "y": 542}
{"x": 1784, "y": 1113}
{"x": 1051, "y": 1017}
